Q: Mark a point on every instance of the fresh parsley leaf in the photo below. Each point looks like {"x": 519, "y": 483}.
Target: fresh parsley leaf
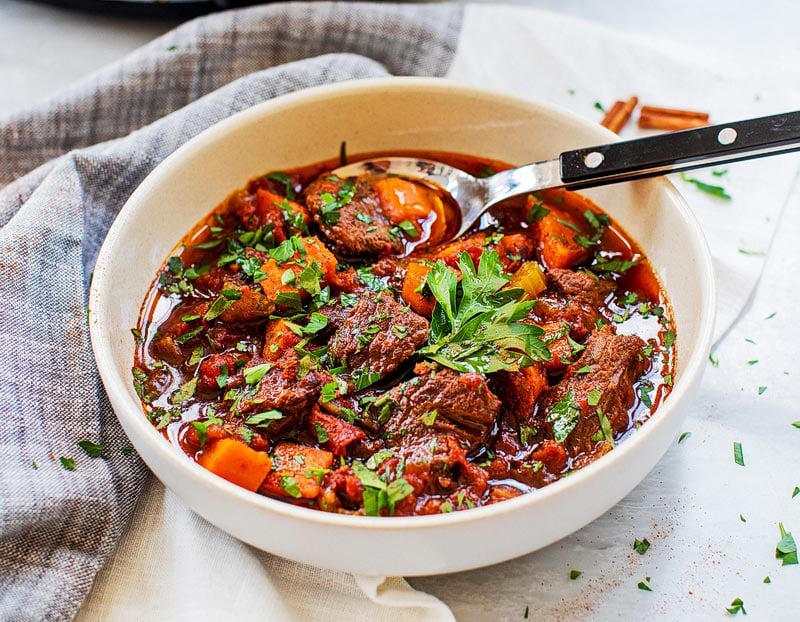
{"x": 289, "y": 300}
{"x": 322, "y": 433}
{"x": 641, "y": 546}
{"x": 185, "y": 392}
{"x": 713, "y": 360}
{"x": 332, "y": 204}
{"x": 289, "y": 485}
{"x": 253, "y": 375}
{"x": 643, "y": 586}
{"x": 761, "y": 390}
{"x": 736, "y": 606}
{"x": 67, "y": 463}
{"x": 786, "y": 549}
{"x": 363, "y": 377}
{"x": 93, "y": 450}
{"x": 283, "y": 178}
{"x": 409, "y": 228}
{"x": 796, "y": 491}
{"x": 716, "y": 191}
{"x": 574, "y": 574}
{"x": 316, "y": 323}
{"x": 738, "y": 456}
{"x": 536, "y": 212}
{"x": 475, "y": 325}
{"x": 264, "y": 419}
{"x": 683, "y": 437}
{"x": 564, "y": 415}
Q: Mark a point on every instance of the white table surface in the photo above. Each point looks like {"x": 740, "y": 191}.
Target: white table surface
{"x": 44, "y": 48}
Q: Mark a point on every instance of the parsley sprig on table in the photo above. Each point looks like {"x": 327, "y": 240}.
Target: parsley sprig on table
{"x": 475, "y": 325}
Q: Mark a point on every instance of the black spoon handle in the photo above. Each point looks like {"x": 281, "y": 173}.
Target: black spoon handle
{"x": 680, "y": 151}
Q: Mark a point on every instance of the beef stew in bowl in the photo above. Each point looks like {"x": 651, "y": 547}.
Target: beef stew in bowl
{"x": 323, "y": 342}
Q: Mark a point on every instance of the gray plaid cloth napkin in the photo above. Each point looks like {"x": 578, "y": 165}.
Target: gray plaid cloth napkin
{"x": 68, "y": 166}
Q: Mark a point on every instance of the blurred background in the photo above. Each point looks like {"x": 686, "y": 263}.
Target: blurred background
{"x": 45, "y": 45}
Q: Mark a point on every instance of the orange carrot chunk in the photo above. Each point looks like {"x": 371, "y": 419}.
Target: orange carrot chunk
{"x": 412, "y": 289}
{"x": 298, "y": 471}
{"x": 236, "y": 462}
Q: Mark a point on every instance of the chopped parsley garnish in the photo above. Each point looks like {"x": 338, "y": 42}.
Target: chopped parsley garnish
{"x": 526, "y": 433}
{"x": 642, "y": 585}
{"x": 137, "y": 335}
{"x": 593, "y": 397}
{"x": 713, "y": 360}
{"x": 613, "y": 265}
{"x": 761, "y": 390}
{"x": 185, "y": 392}
{"x": 599, "y": 106}
{"x": 536, "y": 212}
{"x": 290, "y": 487}
{"x": 715, "y": 191}
{"x": 377, "y": 493}
{"x": 683, "y": 437}
{"x": 363, "y": 377}
{"x": 719, "y": 172}
{"x": 796, "y": 424}
{"x": 264, "y": 419}
{"x": 67, "y": 463}
{"x": 641, "y": 546}
{"x": 289, "y": 300}
{"x": 283, "y": 178}
{"x": 738, "y": 456}
{"x": 796, "y": 491}
{"x": 564, "y": 416}
{"x": 253, "y": 375}
{"x": 736, "y": 606}
{"x": 188, "y": 336}
{"x": 408, "y": 227}
{"x": 93, "y": 450}
{"x": 786, "y": 549}
{"x": 399, "y": 331}
{"x": 329, "y": 392}
{"x": 322, "y": 433}
{"x": 375, "y": 283}
{"x": 429, "y": 417}
{"x": 331, "y": 204}
{"x": 475, "y": 325}
{"x": 742, "y": 518}
{"x": 574, "y": 574}
{"x": 316, "y": 323}
{"x": 767, "y": 579}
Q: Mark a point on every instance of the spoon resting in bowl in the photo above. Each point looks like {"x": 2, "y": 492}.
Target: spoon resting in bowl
{"x": 599, "y": 165}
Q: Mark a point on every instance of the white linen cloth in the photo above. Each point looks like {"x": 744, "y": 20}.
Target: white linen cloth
{"x": 171, "y": 565}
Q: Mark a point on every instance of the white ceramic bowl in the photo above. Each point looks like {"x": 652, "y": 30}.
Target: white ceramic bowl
{"x": 373, "y": 115}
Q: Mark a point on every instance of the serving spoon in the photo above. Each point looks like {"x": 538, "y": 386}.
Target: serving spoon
{"x": 599, "y": 165}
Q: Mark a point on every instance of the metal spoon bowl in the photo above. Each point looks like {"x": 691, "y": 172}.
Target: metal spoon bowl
{"x": 599, "y": 165}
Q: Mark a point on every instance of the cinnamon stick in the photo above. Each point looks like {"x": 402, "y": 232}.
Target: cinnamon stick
{"x": 619, "y": 114}
{"x": 671, "y": 122}
{"x": 674, "y": 112}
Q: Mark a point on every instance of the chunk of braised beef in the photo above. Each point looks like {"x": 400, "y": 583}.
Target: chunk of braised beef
{"x": 251, "y": 305}
{"x": 336, "y": 312}
{"x": 440, "y": 401}
{"x": 440, "y": 467}
{"x": 378, "y": 334}
{"x": 333, "y": 433}
{"x": 572, "y": 297}
{"x": 287, "y": 388}
{"x": 609, "y": 367}
{"x": 518, "y": 391}
{"x": 353, "y": 226}
{"x": 265, "y": 208}
{"x": 341, "y": 490}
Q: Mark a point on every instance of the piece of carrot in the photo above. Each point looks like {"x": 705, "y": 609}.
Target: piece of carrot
{"x": 297, "y": 471}
{"x": 556, "y": 235}
{"x": 412, "y": 283}
{"x": 236, "y": 462}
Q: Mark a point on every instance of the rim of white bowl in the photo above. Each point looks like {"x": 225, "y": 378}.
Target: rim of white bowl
{"x": 117, "y": 386}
